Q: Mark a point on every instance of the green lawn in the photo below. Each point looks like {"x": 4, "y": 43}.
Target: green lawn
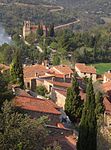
{"x": 102, "y": 67}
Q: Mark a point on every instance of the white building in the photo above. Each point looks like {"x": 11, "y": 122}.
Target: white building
{"x": 85, "y": 71}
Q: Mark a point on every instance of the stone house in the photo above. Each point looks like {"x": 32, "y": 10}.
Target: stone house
{"x": 107, "y": 113}
{"x": 107, "y": 77}
{"x": 31, "y": 73}
{"x": 85, "y": 71}
{"x": 36, "y": 107}
{"x": 64, "y": 70}
{"x": 58, "y": 95}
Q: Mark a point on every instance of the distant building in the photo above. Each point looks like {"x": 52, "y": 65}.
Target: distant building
{"x": 85, "y": 71}
{"x": 29, "y": 28}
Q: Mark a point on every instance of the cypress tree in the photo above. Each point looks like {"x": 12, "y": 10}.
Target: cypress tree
{"x": 51, "y": 30}
{"x": 87, "y": 139}
{"x": 40, "y": 30}
{"x": 16, "y": 70}
{"x": 73, "y": 105}
{"x": 99, "y": 104}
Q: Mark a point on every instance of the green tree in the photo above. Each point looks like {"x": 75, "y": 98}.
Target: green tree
{"x": 19, "y": 132}
{"x": 87, "y": 139}
{"x": 40, "y": 30}
{"x": 16, "y": 69}
{"x": 51, "y": 30}
{"x": 73, "y": 104}
{"x": 41, "y": 90}
{"x": 5, "y": 93}
{"x": 56, "y": 60}
{"x": 99, "y": 104}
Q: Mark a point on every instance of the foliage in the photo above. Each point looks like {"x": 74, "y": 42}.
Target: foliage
{"x": 6, "y": 53}
{"x": 5, "y": 93}
{"x": 87, "y": 139}
{"x": 16, "y": 70}
{"x": 20, "y": 132}
{"x": 41, "y": 90}
{"x": 73, "y": 105}
{"x": 40, "y": 30}
{"x": 56, "y": 60}
{"x": 51, "y": 30}
{"x": 99, "y": 110}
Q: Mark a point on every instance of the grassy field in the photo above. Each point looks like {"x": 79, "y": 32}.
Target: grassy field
{"x": 102, "y": 67}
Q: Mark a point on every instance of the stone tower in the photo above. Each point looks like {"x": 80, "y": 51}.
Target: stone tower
{"x": 26, "y": 28}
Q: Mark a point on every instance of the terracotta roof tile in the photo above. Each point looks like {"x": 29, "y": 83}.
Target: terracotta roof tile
{"x": 31, "y": 71}
{"x": 106, "y": 86}
{"x": 108, "y": 75}
{"x": 85, "y": 69}
{"x": 62, "y": 69}
{"x": 107, "y": 105}
{"x": 61, "y": 84}
{"x": 36, "y": 104}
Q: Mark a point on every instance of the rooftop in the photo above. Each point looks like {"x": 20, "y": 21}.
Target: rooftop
{"x": 33, "y": 70}
{"x": 106, "y": 86}
{"x": 107, "y": 105}
{"x": 61, "y": 84}
{"x": 108, "y": 75}
{"x": 36, "y": 104}
{"x": 85, "y": 69}
{"x": 62, "y": 69}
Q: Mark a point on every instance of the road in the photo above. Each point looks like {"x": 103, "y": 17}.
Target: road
{"x": 66, "y": 25}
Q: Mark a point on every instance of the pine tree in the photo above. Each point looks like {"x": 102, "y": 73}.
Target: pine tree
{"x": 87, "y": 139}
{"x": 73, "y": 105}
{"x": 16, "y": 70}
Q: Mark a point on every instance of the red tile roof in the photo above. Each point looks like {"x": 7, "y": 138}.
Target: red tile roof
{"x": 106, "y": 86}
{"x": 85, "y": 69}
{"x": 108, "y": 75}
{"x": 32, "y": 70}
{"x": 107, "y": 105}
{"x": 61, "y": 84}
{"x": 62, "y": 69}
{"x": 36, "y": 104}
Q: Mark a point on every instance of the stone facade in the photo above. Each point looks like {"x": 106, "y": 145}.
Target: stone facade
{"x": 86, "y": 74}
{"x": 29, "y": 28}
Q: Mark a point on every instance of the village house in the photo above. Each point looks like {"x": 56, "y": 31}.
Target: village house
{"x": 31, "y": 72}
{"x": 107, "y": 113}
{"x": 29, "y": 28}
{"x": 107, "y": 77}
{"x": 59, "y": 96}
{"x": 36, "y": 107}
{"x": 85, "y": 71}
{"x": 62, "y": 70}
{"x": 106, "y": 89}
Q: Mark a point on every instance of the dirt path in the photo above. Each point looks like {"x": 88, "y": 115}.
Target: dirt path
{"x": 66, "y": 25}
